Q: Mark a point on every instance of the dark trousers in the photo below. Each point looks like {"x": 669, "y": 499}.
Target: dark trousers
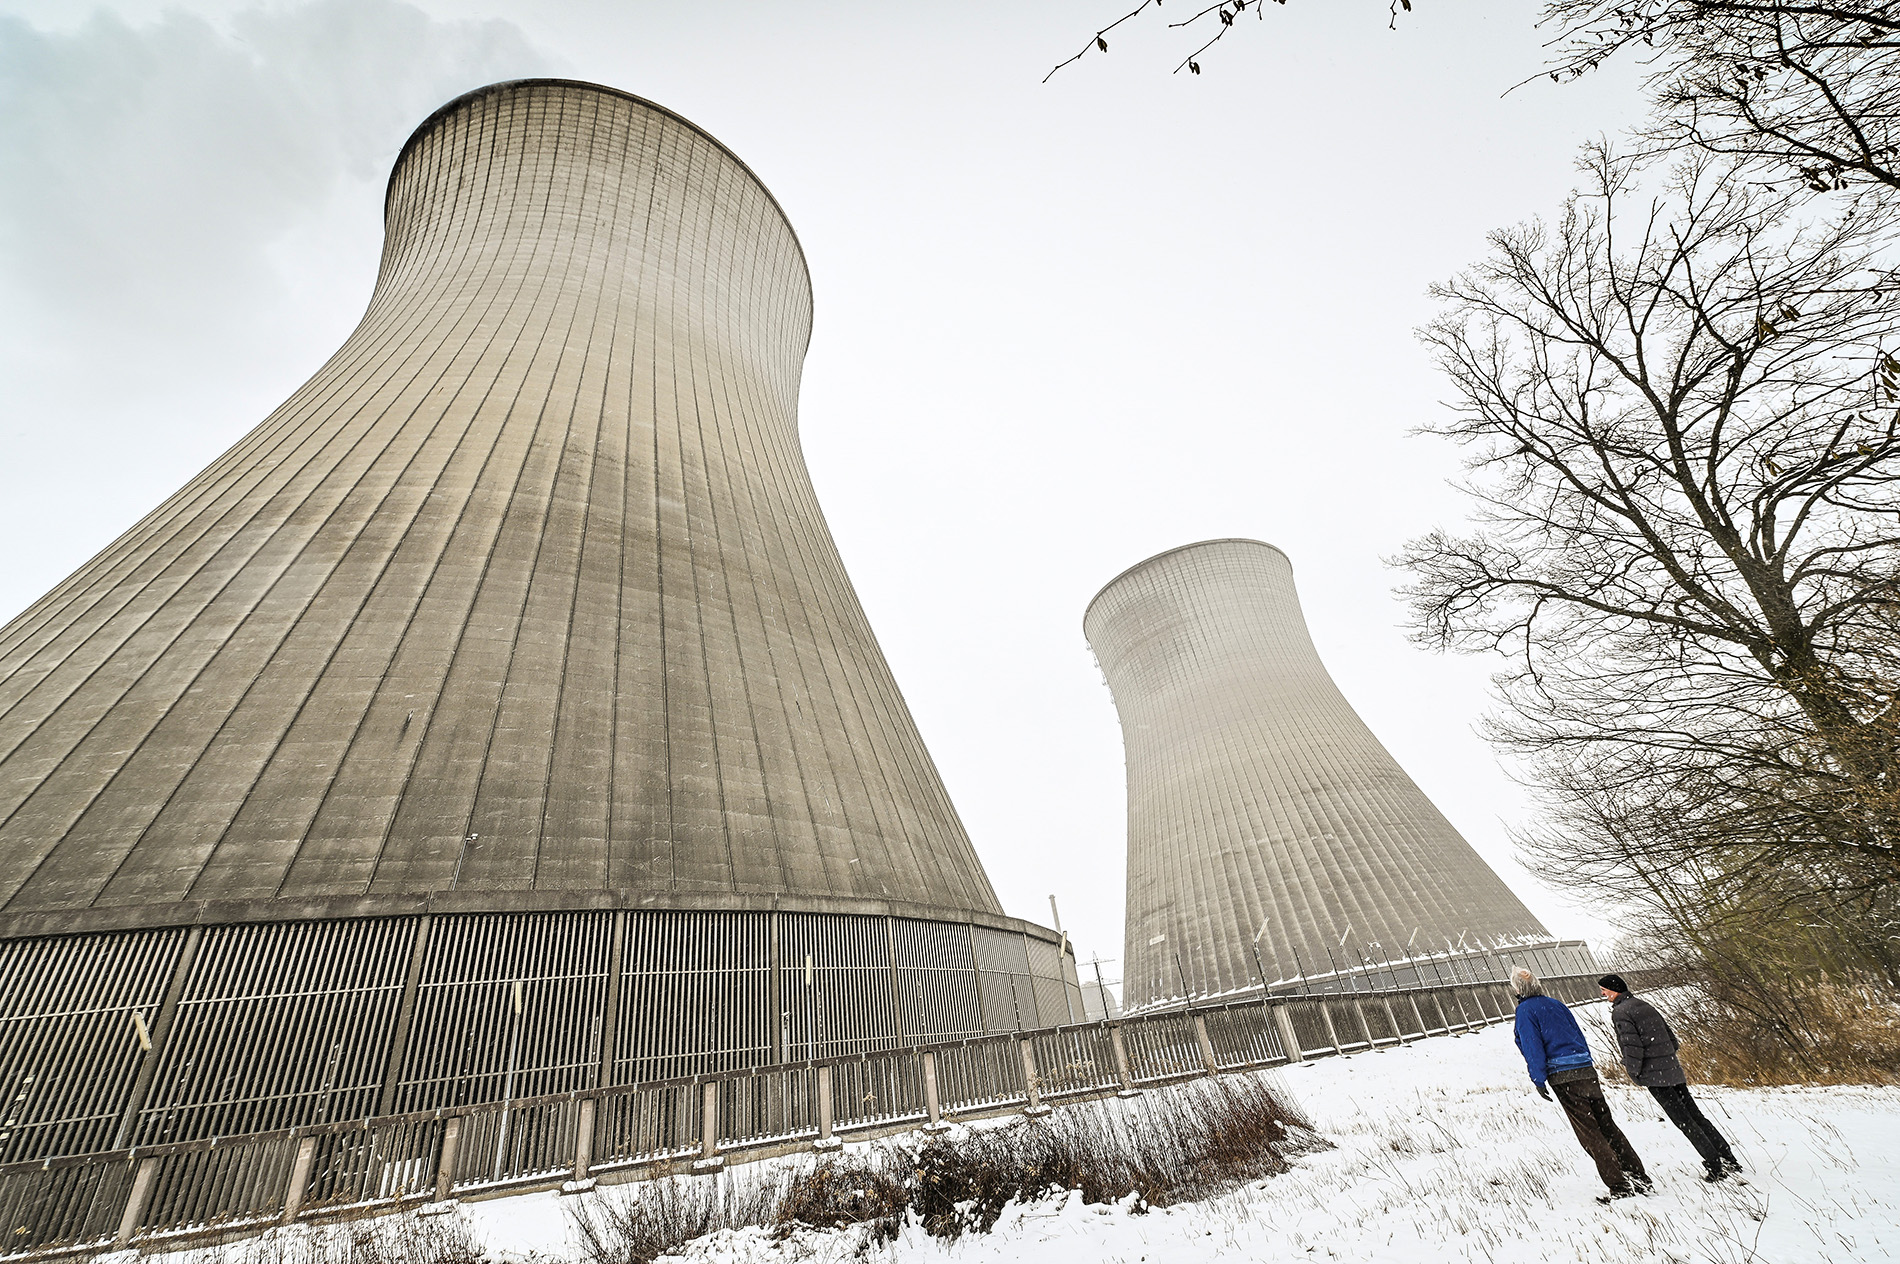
{"x": 1686, "y": 1115}
{"x": 1581, "y": 1095}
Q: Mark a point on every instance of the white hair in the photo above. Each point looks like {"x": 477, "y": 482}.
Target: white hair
{"x": 1524, "y": 983}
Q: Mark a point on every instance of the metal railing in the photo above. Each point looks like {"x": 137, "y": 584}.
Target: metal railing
{"x": 149, "y": 1194}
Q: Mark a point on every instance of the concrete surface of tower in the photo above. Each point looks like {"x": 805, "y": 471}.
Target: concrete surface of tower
{"x": 496, "y": 717}
{"x": 1271, "y": 838}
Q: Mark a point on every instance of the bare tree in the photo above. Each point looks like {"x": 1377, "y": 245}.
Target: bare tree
{"x": 1807, "y": 90}
{"x": 1680, "y": 408}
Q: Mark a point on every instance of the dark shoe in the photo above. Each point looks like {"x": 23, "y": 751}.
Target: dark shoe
{"x": 1642, "y": 1185}
{"x": 1731, "y": 1164}
{"x": 1717, "y": 1172}
{"x": 1628, "y": 1191}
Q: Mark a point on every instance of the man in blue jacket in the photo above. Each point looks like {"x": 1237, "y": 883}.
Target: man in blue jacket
{"x": 1555, "y": 1051}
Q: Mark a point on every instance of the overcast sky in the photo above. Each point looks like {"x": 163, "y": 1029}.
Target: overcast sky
{"x": 1060, "y": 327}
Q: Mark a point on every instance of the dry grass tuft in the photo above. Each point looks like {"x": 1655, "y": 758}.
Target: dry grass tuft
{"x": 1823, "y": 1033}
{"x": 843, "y": 1192}
{"x": 366, "y": 1238}
{"x": 637, "y": 1224}
{"x": 1851, "y": 1036}
{"x": 1185, "y": 1143}
{"x": 1172, "y": 1145}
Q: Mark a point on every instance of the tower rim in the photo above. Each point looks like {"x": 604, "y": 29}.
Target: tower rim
{"x": 447, "y": 108}
{"x": 25, "y": 924}
{"x": 1179, "y": 548}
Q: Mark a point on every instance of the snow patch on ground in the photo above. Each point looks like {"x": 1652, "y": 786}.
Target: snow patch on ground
{"x": 1444, "y": 1153}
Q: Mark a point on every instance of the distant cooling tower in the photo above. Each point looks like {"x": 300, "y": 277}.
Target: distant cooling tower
{"x": 495, "y": 719}
{"x": 1270, "y": 835}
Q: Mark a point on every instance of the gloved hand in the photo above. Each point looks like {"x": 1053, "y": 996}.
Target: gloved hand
{"x": 1543, "y": 1092}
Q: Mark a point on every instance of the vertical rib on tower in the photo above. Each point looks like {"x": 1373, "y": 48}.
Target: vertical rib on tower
{"x": 1259, "y": 804}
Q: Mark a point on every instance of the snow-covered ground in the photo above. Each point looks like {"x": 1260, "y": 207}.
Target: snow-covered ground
{"x": 1443, "y": 1153}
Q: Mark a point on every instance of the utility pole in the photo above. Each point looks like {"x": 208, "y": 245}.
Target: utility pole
{"x": 1260, "y": 969}
{"x": 1062, "y": 953}
{"x": 1101, "y": 988}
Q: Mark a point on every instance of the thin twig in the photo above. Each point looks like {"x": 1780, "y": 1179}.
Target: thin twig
{"x": 1101, "y": 41}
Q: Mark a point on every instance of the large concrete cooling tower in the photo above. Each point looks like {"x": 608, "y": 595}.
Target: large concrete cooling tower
{"x": 1270, "y": 835}
{"x": 497, "y": 716}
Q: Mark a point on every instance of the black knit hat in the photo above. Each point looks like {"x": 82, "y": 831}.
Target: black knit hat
{"x": 1614, "y": 982}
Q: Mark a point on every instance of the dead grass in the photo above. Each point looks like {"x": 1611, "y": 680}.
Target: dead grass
{"x": 844, "y": 1192}
{"x": 1178, "y": 1144}
{"x": 360, "y": 1239}
{"x": 637, "y": 1224}
{"x": 1828, "y": 1033}
{"x": 1851, "y": 1036}
{"x": 1185, "y": 1143}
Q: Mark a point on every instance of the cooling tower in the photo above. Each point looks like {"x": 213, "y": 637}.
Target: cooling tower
{"x": 1270, "y": 835}
{"x": 497, "y": 717}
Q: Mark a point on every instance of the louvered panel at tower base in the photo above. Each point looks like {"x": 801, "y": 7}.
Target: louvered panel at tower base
{"x": 262, "y": 1026}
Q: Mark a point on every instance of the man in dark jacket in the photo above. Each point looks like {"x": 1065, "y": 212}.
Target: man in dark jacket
{"x": 1555, "y": 1052}
{"x": 1649, "y": 1055}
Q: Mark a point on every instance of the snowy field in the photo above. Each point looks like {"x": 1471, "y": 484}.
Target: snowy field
{"x": 1444, "y": 1153}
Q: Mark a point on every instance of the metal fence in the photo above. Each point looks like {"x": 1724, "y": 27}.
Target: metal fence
{"x": 149, "y": 1194}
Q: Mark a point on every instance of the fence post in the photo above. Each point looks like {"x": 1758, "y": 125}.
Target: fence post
{"x": 1464, "y": 1018}
{"x": 709, "y": 1160}
{"x": 1035, "y": 1106}
{"x": 1461, "y": 1026}
{"x": 1207, "y": 1046}
{"x": 932, "y": 1102}
{"x": 299, "y": 1179}
{"x": 1419, "y": 1014}
{"x": 1289, "y": 1038}
{"x": 1392, "y": 1016}
{"x": 583, "y": 1148}
{"x": 136, "y": 1202}
{"x": 825, "y": 1140}
{"x": 445, "y": 1165}
{"x": 1116, "y": 1043}
{"x": 1332, "y": 1032}
{"x": 1365, "y": 1027}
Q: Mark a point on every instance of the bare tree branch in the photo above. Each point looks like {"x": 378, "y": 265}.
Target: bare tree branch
{"x": 1808, "y": 93}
